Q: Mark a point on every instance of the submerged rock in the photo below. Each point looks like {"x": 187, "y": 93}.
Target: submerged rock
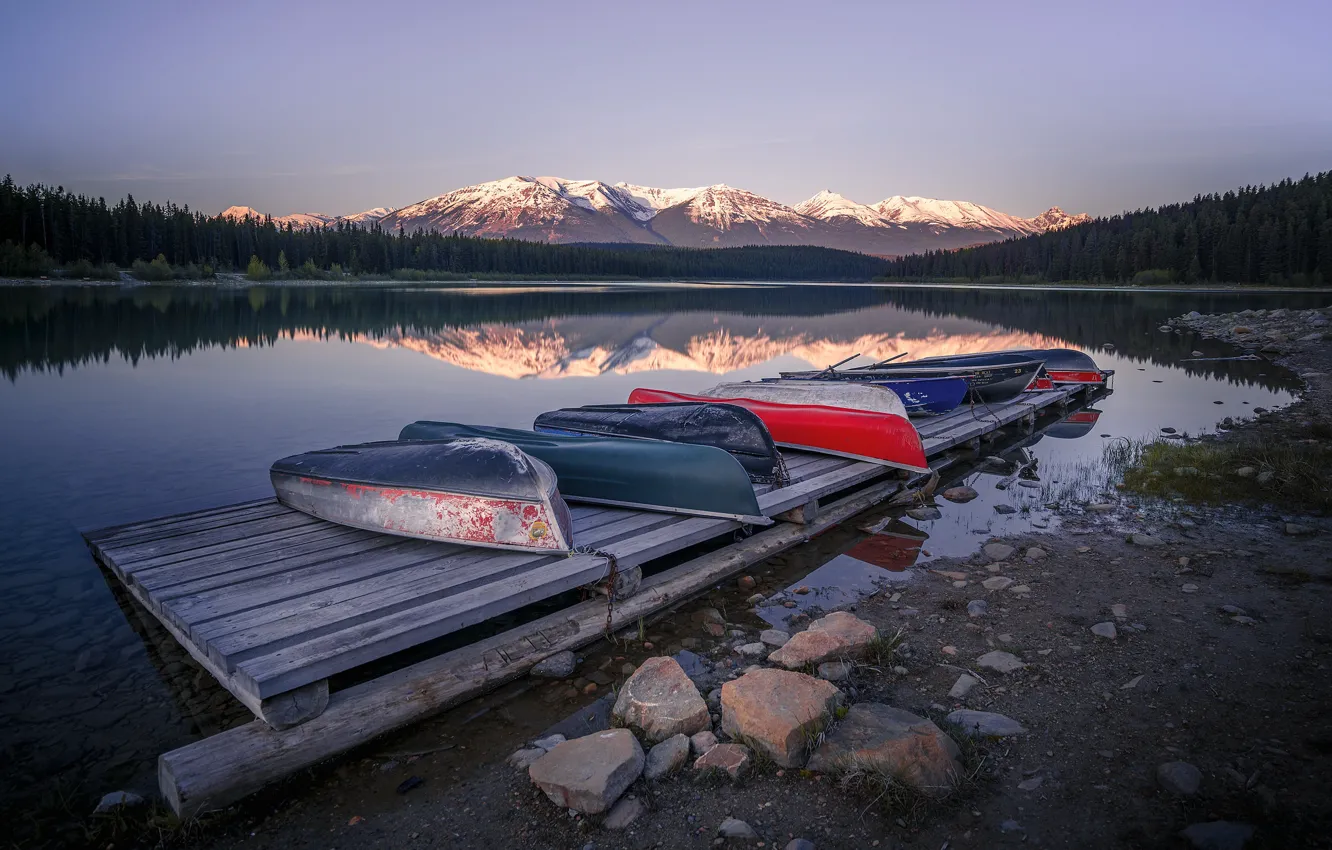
{"x": 925, "y": 514}
{"x": 960, "y": 495}
{"x": 558, "y": 666}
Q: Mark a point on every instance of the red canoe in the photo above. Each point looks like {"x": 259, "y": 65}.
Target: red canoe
{"x": 859, "y": 434}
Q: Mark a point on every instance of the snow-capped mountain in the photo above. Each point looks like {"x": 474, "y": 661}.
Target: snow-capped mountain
{"x": 296, "y": 220}
{"x": 554, "y": 209}
{"x": 365, "y": 218}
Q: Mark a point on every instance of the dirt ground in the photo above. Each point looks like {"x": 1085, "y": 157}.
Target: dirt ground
{"x": 1242, "y": 696}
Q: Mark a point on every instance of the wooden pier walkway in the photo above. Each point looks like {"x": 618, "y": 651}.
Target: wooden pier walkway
{"x": 272, "y": 602}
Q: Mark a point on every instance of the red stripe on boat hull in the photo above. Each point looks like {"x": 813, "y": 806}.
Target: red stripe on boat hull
{"x": 861, "y": 434}
{"x": 1069, "y": 377}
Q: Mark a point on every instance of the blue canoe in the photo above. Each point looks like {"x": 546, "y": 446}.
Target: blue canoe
{"x": 919, "y": 395}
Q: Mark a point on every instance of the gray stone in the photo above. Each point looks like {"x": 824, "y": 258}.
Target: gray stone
{"x": 799, "y": 844}
{"x": 1036, "y": 553}
{"x": 660, "y": 701}
{"x": 623, "y": 813}
{"x": 1179, "y": 778}
{"x": 924, "y": 514}
{"x": 1146, "y": 540}
{"x": 1266, "y": 476}
{"x": 558, "y": 666}
{"x": 997, "y": 583}
{"x": 701, "y": 742}
{"x": 1031, "y": 784}
{"x": 963, "y": 686}
{"x": 998, "y": 551}
{"x": 757, "y": 649}
{"x": 961, "y": 495}
{"x": 588, "y": 774}
{"x": 1000, "y": 661}
{"x": 667, "y": 757}
{"x": 1297, "y": 530}
{"x": 731, "y": 759}
{"x": 549, "y": 742}
{"x": 1105, "y": 630}
{"x": 891, "y": 742}
{"x": 835, "y": 671}
{"x": 1246, "y": 472}
{"x": 117, "y": 800}
{"x": 1005, "y": 509}
{"x": 1234, "y": 609}
{"x": 734, "y": 828}
{"x": 985, "y": 724}
{"x": 978, "y": 608}
{"x": 523, "y": 759}
{"x": 756, "y": 599}
{"x": 1217, "y": 835}
{"x": 774, "y": 637}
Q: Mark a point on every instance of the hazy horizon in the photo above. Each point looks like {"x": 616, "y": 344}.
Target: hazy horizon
{"x": 355, "y": 106}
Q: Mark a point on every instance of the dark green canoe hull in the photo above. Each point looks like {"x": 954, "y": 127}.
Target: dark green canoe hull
{"x": 646, "y": 474}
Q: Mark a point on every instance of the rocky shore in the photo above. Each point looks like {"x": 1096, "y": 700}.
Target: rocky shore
{"x": 1147, "y": 675}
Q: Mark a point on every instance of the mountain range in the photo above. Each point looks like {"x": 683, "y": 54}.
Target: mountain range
{"x": 553, "y": 209}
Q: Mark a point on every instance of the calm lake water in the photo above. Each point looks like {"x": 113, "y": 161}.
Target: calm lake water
{"x": 122, "y": 404}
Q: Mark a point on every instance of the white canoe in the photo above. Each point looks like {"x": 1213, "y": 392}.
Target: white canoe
{"x": 845, "y": 394}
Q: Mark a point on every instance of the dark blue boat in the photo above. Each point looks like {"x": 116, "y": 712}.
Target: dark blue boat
{"x": 991, "y": 378}
{"x": 919, "y": 395}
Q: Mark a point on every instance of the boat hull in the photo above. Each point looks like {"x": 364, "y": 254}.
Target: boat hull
{"x": 732, "y": 429}
{"x": 471, "y": 492}
{"x": 647, "y": 475}
{"x": 985, "y": 384}
{"x": 880, "y": 438}
{"x": 1064, "y": 365}
{"x": 871, "y": 397}
{"x": 920, "y": 396}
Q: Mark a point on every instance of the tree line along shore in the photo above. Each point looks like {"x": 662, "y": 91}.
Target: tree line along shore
{"x": 1275, "y": 235}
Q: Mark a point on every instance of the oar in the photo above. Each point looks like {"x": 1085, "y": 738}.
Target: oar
{"x": 833, "y": 368}
{"x": 886, "y": 362}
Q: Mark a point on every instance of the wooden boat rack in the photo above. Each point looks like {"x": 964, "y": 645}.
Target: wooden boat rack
{"x": 273, "y": 602}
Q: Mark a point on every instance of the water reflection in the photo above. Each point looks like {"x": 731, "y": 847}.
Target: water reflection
{"x": 126, "y": 403}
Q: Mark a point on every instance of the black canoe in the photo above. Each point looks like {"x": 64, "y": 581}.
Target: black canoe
{"x": 472, "y": 491}
{"x": 725, "y": 426}
{"x": 650, "y": 475}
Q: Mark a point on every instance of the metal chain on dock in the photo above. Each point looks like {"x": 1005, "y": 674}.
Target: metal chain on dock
{"x": 783, "y": 474}
{"x": 612, "y": 576}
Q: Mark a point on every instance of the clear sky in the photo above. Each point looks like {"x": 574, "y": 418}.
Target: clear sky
{"x": 339, "y": 106}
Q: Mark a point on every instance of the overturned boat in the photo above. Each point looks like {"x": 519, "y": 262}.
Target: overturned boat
{"x": 920, "y": 396}
{"x": 990, "y": 378}
{"x": 476, "y": 492}
{"x": 733, "y": 429}
{"x": 649, "y": 475}
{"x": 1069, "y": 366}
{"x": 882, "y": 438}
{"x": 869, "y": 397}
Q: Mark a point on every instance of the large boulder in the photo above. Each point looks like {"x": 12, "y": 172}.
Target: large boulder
{"x": 589, "y": 774}
{"x": 659, "y": 701}
{"x": 778, "y": 712}
{"x": 838, "y": 636}
{"x": 891, "y": 742}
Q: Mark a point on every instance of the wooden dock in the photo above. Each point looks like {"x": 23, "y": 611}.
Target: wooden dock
{"x": 272, "y": 602}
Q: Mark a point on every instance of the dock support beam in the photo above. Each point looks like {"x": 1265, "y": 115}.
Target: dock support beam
{"x": 803, "y": 515}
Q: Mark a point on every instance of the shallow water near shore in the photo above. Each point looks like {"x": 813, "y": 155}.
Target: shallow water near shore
{"x": 122, "y": 404}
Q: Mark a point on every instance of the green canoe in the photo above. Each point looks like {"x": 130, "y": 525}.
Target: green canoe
{"x": 679, "y": 478}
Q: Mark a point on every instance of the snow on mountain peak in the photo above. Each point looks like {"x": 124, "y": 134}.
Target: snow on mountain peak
{"x": 830, "y": 206}
{"x": 238, "y": 213}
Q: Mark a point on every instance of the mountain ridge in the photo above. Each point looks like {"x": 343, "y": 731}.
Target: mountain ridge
{"x": 559, "y": 210}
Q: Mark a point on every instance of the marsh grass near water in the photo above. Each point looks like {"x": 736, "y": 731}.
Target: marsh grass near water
{"x": 1291, "y": 471}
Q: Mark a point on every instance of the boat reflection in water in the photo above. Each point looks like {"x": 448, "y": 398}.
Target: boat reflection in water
{"x": 1078, "y": 424}
{"x": 881, "y": 559}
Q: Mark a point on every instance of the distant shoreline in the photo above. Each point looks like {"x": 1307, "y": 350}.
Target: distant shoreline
{"x": 237, "y": 281}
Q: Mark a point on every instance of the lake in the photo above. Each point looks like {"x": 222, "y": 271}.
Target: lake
{"x": 120, "y": 404}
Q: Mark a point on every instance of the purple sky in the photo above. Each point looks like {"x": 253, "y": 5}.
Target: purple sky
{"x": 340, "y": 106}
